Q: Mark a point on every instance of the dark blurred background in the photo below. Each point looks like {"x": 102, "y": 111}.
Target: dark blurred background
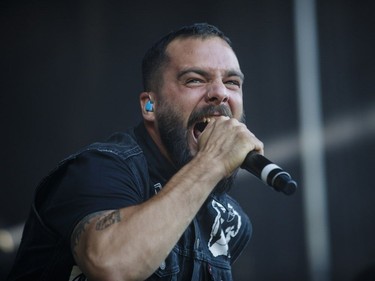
{"x": 70, "y": 75}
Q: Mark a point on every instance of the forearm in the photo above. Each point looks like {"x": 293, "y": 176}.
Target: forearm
{"x": 125, "y": 247}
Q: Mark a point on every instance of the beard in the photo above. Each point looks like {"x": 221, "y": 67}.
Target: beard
{"x": 174, "y": 135}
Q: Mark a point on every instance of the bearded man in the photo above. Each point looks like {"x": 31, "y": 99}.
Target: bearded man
{"x": 151, "y": 203}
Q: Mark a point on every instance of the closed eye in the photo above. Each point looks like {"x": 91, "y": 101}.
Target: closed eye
{"x": 233, "y": 83}
{"x": 194, "y": 81}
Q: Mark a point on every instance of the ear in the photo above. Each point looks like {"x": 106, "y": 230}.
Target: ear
{"x": 144, "y": 98}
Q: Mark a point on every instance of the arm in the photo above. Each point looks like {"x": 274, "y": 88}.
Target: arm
{"x": 115, "y": 245}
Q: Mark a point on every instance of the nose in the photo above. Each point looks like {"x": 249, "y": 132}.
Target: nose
{"x": 217, "y": 93}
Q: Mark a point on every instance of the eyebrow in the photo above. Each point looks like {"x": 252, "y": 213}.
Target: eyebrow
{"x": 235, "y": 73}
{"x": 204, "y": 73}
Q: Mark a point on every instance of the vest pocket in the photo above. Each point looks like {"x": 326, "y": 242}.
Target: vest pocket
{"x": 219, "y": 273}
{"x": 169, "y": 268}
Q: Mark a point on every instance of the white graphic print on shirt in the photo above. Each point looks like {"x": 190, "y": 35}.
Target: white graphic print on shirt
{"x": 226, "y": 225}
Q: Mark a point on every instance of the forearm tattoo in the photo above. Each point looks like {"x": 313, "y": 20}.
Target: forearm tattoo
{"x": 102, "y": 223}
{"x": 108, "y": 220}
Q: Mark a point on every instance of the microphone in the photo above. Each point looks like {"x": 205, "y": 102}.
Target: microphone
{"x": 269, "y": 173}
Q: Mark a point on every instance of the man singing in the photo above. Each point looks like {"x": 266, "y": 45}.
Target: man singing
{"x": 151, "y": 203}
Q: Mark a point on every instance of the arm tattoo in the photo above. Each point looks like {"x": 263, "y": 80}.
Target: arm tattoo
{"x": 80, "y": 228}
{"x": 108, "y": 220}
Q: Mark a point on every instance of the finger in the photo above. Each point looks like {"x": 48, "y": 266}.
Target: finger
{"x": 211, "y": 125}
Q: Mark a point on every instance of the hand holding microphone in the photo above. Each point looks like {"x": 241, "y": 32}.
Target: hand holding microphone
{"x": 227, "y": 132}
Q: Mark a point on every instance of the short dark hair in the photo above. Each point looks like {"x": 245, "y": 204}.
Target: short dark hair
{"x": 156, "y": 57}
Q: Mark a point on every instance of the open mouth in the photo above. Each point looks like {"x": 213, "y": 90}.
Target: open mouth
{"x": 199, "y": 127}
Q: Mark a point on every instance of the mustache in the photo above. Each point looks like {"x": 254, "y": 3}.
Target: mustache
{"x": 210, "y": 110}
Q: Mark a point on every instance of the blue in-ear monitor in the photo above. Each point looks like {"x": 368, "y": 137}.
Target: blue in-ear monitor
{"x": 149, "y": 107}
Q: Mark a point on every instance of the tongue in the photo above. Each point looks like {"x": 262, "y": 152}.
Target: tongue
{"x": 197, "y": 133}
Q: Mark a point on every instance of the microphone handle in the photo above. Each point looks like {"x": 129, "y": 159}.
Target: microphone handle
{"x": 269, "y": 173}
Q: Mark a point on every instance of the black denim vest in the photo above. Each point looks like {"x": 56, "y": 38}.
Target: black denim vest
{"x": 199, "y": 255}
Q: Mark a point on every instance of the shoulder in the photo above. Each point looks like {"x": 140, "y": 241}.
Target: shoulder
{"x": 112, "y": 164}
{"x": 101, "y": 176}
{"x": 123, "y": 145}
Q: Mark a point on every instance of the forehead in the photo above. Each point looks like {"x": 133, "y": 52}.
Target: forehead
{"x": 211, "y": 52}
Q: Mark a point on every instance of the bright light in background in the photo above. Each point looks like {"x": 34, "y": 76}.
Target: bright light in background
{"x": 341, "y": 132}
{"x": 10, "y": 238}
